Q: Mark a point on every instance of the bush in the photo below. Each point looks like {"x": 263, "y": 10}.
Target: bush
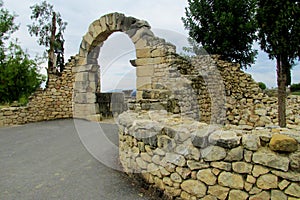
{"x": 295, "y": 87}
{"x": 19, "y": 76}
{"x": 262, "y": 85}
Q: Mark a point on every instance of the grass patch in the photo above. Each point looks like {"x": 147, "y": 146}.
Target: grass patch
{"x": 296, "y": 93}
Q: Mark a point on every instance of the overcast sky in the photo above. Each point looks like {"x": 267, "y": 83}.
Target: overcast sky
{"x": 163, "y": 16}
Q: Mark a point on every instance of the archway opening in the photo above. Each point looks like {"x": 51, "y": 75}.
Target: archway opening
{"x": 117, "y": 75}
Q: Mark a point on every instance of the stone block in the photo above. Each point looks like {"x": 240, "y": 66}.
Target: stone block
{"x": 270, "y": 159}
{"x": 278, "y": 195}
{"x": 143, "y": 83}
{"x": 293, "y": 190}
{"x": 226, "y": 139}
{"x": 218, "y": 191}
{"x": 213, "y": 153}
{"x": 207, "y": 177}
{"x": 88, "y": 38}
{"x": 251, "y": 142}
{"x": 267, "y": 181}
{"x": 234, "y": 181}
{"x": 175, "y": 159}
{"x": 242, "y": 167}
{"x": 143, "y": 53}
{"x": 283, "y": 143}
{"x": 145, "y": 71}
{"x": 237, "y": 195}
{"x": 195, "y": 165}
{"x": 194, "y": 187}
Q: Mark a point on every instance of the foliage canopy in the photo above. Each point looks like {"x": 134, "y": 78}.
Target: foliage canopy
{"x": 224, "y": 27}
{"x": 19, "y": 76}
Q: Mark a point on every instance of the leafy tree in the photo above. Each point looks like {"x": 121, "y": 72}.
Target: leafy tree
{"x": 278, "y": 32}
{"x": 18, "y": 73}
{"x": 295, "y": 87}
{"x": 7, "y": 27}
{"x": 49, "y": 27}
{"x": 224, "y": 27}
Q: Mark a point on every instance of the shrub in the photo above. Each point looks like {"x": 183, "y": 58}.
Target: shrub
{"x": 262, "y": 85}
{"x": 295, "y": 87}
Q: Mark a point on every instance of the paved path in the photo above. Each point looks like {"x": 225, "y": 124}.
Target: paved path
{"x": 47, "y": 160}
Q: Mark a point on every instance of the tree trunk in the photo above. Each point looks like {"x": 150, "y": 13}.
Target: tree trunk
{"x": 52, "y": 42}
{"x": 281, "y": 83}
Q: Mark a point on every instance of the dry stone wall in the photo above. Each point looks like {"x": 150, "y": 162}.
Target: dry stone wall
{"x": 55, "y": 102}
{"x": 214, "y": 91}
{"x": 187, "y": 159}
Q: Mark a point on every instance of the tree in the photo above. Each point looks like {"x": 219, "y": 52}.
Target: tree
{"x": 49, "y": 27}
{"x": 224, "y": 27}
{"x": 278, "y": 32}
{"x": 19, "y": 76}
{"x": 7, "y": 27}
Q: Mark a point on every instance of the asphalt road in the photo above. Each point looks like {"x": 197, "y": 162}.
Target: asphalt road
{"x": 47, "y": 160}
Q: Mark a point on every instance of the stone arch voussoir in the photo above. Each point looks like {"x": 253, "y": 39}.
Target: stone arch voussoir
{"x": 150, "y": 51}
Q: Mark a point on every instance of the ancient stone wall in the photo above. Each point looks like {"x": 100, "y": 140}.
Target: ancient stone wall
{"x": 214, "y": 91}
{"x": 193, "y": 160}
{"x": 55, "y": 102}
{"x": 151, "y": 53}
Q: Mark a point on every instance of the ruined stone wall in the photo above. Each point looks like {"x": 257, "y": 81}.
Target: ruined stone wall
{"x": 55, "y": 102}
{"x": 192, "y": 160}
{"x": 217, "y": 92}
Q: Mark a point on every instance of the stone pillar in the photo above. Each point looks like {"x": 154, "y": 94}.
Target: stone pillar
{"x": 85, "y": 86}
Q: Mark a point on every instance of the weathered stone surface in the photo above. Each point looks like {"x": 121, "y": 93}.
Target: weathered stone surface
{"x": 194, "y": 187}
{"x": 248, "y": 186}
{"x": 267, "y": 181}
{"x": 209, "y": 197}
{"x": 242, "y": 167}
{"x": 295, "y": 160}
{"x": 272, "y": 160}
{"x": 248, "y": 155}
{"x": 255, "y": 190}
{"x": 172, "y": 191}
{"x": 251, "y": 179}
{"x": 261, "y": 196}
{"x": 293, "y": 190}
{"x": 188, "y": 150}
{"x": 235, "y": 154}
{"x": 183, "y": 172}
{"x": 218, "y": 191}
{"x": 278, "y": 195}
{"x": 283, "y": 184}
{"x": 142, "y": 164}
{"x": 175, "y": 177}
{"x": 292, "y": 176}
{"x": 284, "y": 143}
{"x": 222, "y": 165}
{"x": 207, "y": 177}
{"x": 213, "y": 153}
{"x": 231, "y": 180}
{"x": 193, "y": 165}
{"x": 146, "y": 157}
{"x": 175, "y": 159}
{"x": 259, "y": 170}
{"x": 200, "y": 137}
{"x": 226, "y": 139}
{"x": 165, "y": 143}
{"x": 237, "y": 195}
{"x": 251, "y": 142}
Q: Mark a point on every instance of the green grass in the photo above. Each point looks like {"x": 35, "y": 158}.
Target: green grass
{"x": 296, "y": 93}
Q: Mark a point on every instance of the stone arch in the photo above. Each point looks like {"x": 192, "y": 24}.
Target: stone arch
{"x": 151, "y": 53}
